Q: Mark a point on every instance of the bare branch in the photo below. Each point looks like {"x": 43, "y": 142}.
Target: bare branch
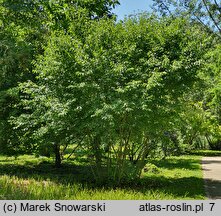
{"x": 75, "y": 148}
{"x": 167, "y": 8}
{"x": 218, "y": 6}
{"x": 211, "y": 16}
{"x": 206, "y": 27}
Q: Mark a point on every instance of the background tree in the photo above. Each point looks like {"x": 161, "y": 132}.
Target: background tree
{"x": 205, "y": 12}
{"x": 211, "y": 99}
{"x": 15, "y": 65}
{"x": 25, "y": 29}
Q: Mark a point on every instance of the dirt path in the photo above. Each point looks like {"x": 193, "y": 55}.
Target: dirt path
{"x": 212, "y": 175}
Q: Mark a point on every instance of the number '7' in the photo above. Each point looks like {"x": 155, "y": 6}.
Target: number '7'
{"x": 212, "y": 205}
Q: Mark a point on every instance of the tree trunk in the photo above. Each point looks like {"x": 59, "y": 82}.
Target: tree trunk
{"x": 97, "y": 151}
{"x": 57, "y": 155}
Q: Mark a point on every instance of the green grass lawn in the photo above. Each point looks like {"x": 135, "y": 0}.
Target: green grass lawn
{"x": 206, "y": 153}
{"x": 28, "y": 177}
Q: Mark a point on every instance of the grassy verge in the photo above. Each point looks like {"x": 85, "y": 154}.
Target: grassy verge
{"x": 206, "y": 153}
{"x": 31, "y": 178}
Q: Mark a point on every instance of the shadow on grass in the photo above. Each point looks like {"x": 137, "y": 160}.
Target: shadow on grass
{"x": 181, "y": 187}
{"x": 65, "y": 174}
{"x": 211, "y": 161}
{"x": 69, "y": 174}
{"x": 213, "y": 189}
